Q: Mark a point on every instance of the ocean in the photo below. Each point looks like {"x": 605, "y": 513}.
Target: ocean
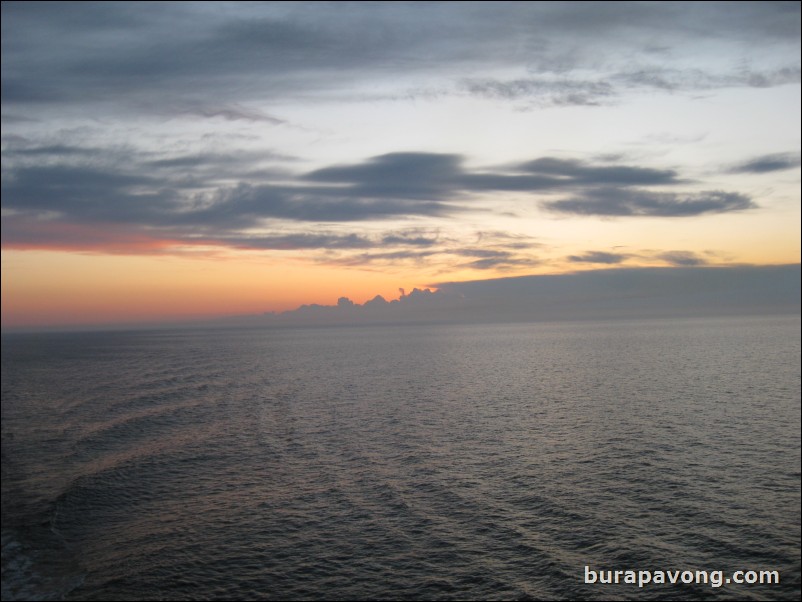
{"x": 502, "y": 462}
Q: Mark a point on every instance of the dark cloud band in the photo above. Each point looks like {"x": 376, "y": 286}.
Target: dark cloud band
{"x": 622, "y": 202}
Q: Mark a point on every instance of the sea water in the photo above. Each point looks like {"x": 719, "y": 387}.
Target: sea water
{"x": 414, "y": 462}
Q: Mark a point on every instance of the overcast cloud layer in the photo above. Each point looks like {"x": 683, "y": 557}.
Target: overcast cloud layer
{"x": 208, "y": 58}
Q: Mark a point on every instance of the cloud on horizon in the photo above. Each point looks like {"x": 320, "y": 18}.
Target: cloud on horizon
{"x": 598, "y": 294}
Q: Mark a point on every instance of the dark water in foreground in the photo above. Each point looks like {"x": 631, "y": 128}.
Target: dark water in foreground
{"x": 429, "y": 462}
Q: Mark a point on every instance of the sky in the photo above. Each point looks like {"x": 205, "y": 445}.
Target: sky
{"x": 167, "y": 160}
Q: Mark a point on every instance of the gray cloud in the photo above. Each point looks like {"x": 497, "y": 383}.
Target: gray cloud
{"x": 547, "y": 92}
{"x": 579, "y": 172}
{"x": 418, "y": 304}
{"x": 58, "y": 151}
{"x": 212, "y": 58}
{"x": 621, "y": 202}
{"x": 11, "y": 119}
{"x": 598, "y": 257}
{"x": 776, "y": 77}
{"x": 416, "y": 237}
{"x": 506, "y": 240}
{"x": 198, "y": 160}
{"x": 662, "y": 78}
{"x": 768, "y": 163}
{"x": 107, "y": 53}
{"x": 132, "y": 193}
{"x": 498, "y": 259}
{"x": 196, "y": 195}
{"x": 384, "y": 257}
{"x": 325, "y": 204}
{"x": 442, "y": 176}
{"x": 18, "y": 149}
{"x": 300, "y": 241}
{"x": 682, "y": 258}
{"x": 394, "y": 175}
{"x": 230, "y": 112}
{"x": 596, "y": 294}
{"x": 628, "y": 292}
{"x": 674, "y": 258}
{"x": 87, "y": 193}
{"x": 498, "y": 250}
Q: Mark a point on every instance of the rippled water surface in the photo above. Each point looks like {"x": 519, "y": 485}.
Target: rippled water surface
{"x": 446, "y": 462}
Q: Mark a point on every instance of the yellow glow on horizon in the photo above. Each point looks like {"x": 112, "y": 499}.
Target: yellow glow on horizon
{"x": 46, "y": 288}
{"x": 62, "y": 287}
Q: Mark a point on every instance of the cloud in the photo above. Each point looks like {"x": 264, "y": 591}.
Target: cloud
{"x": 417, "y": 237}
{"x": 501, "y": 263}
{"x": 768, "y": 163}
{"x": 581, "y": 173}
{"x": 86, "y": 193}
{"x": 690, "y": 80}
{"x": 133, "y": 194}
{"x": 20, "y": 152}
{"x": 230, "y": 112}
{"x": 212, "y": 57}
{"x": 397, "y": 175}
{"x": 249, "y": 203}
{"x": 227, "y": 196}
{"x": 547, "y": 92}
{"x": 215, "y": 61}
{"x": 217, "y": 161}
{"x": 22, "y": 232}
{"x": 11, "y": 119}
{"x": 610, "y": 88}
{"x": 403, "y": 256}
{"x": 419, "y": 305}
{"x": 298, "y": 241}
{"x": 439, "y": 176}
{"x": 487, "y": 250}
{"x": 682, "y": 258}
{"x": 58, "y": 151}
{"x": 776, "y": 77}
{"x": 598, "y": 257}
{"x": 495, "y": 259}
{"x": 597, "y": 294}
{"x": 506, "y": 240}
{"x": 621, "y": 202}
{"x": 630, "y": 292}
{"x": 674, "y": 258}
